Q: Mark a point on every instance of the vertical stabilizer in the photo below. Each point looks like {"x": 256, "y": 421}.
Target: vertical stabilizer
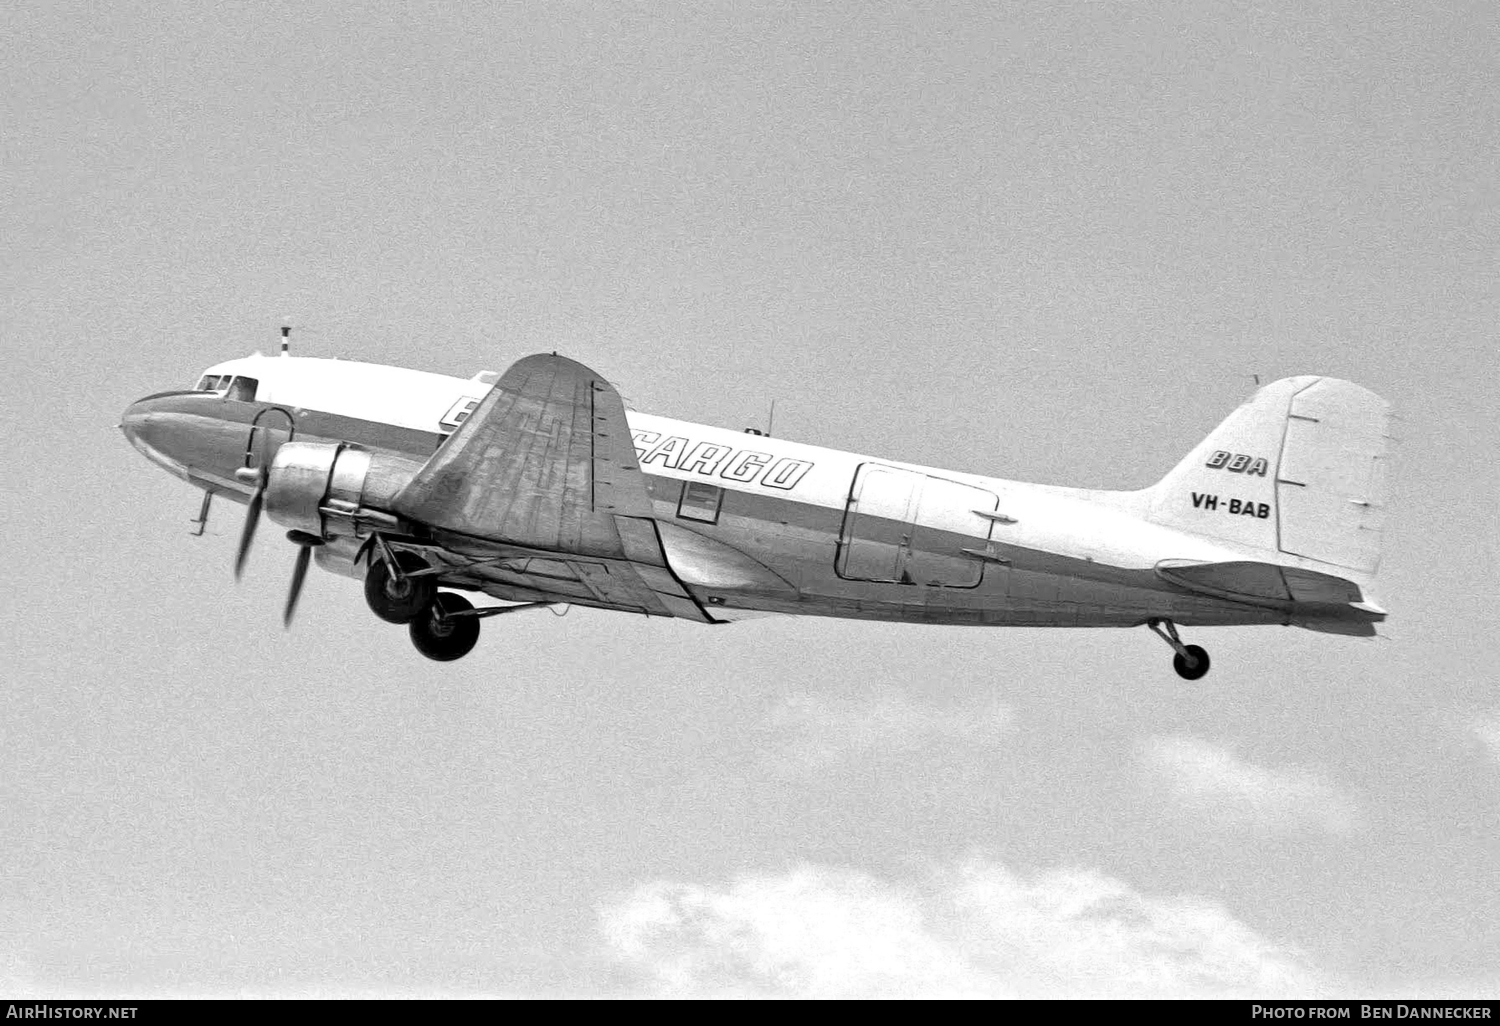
{"x": 1299, "y": 469}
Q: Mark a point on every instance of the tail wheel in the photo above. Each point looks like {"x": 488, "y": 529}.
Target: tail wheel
{"x": 439, "y": 634}
{"x": 398, "y": 599}
{"x": 1199, "y": 665}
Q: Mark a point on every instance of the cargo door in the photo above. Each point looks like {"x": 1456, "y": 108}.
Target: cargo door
{"x": 908, "y": 528}
{"x": 878, "y": 523}
{"x": 946, "y": 523}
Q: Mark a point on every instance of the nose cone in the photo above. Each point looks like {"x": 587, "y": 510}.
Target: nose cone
{"x": 192, "y": 435}
{"x": 144, "y": 428}
{"x": 133, "y": 423}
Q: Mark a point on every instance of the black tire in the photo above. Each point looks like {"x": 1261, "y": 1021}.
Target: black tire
{"x": 440, "y": 635}
{"x": 398, "y": 601}
{"x": 1199, "y": 667}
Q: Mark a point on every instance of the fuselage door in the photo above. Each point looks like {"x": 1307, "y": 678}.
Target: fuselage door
{"x": 904, "y": 527}
{"x": 946, "y": 523}
{"x": 877, "y": 524}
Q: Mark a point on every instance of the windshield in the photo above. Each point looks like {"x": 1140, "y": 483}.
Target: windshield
{"x": 243, "y": 389}
{"x": 234, "y": 387}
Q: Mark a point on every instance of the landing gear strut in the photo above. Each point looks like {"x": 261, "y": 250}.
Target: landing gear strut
{"x": 1191, "y": 661}
{"x": 441, "y": 632}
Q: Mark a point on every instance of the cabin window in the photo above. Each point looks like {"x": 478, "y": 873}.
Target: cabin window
{"x": 243, "y": 389}
{"x": 700, "y": 502}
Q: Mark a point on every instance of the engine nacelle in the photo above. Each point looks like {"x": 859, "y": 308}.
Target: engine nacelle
{"x": 334, "y": 489}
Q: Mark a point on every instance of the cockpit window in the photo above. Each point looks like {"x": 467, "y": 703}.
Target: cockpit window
{"x": 240, "y": 388}
{"x": 243, "y": 389}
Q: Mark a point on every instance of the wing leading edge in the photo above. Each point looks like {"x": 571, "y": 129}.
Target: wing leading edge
{"x": 546, "y": 463}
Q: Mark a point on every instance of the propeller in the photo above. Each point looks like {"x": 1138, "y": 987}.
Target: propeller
{"x": 305, "y": 544}
{"x": 257, "y": 476}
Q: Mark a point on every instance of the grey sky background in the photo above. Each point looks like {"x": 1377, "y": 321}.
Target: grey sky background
{"x": 1044, "y": 241}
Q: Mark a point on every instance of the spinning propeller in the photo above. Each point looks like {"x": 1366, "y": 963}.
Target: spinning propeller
{"x": 259, "y": 477}
{"x": 305, "y": 542}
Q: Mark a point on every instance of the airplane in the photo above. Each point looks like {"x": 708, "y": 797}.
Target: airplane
{"x": 537, "y": 488}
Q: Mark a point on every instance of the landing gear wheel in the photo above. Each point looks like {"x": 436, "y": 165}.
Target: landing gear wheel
{"x": 440, "y": 635}
{"x": 1191, "y": 661}
{"x": 398, "y": 600}
{"x": 1199, "y": 667}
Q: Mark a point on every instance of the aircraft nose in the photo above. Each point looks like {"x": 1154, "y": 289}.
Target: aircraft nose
{"x": 153, "y": 431}
{"x": 193, "y": 435}
{"x": 133, "y": 423}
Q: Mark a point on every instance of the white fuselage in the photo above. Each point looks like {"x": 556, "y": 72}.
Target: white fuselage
{"x": 852, "y": 535}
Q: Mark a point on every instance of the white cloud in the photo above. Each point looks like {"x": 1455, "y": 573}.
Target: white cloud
{"x": 822, "y": 729}
{"x": 975, "y": 929}
{"x": 1220, "y": 787}
{"x": 811, "y": 931}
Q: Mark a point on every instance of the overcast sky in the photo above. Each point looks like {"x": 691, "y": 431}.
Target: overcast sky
{"x": 1043, "y": 241}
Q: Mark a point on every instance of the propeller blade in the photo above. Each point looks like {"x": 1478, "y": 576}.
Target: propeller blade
{"x": 247, "y": 533}
{"x": 365, "y": 551}
{"x": 299, "y": 574}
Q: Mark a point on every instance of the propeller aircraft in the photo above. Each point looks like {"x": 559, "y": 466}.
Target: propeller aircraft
{"x": 537, "y": 487}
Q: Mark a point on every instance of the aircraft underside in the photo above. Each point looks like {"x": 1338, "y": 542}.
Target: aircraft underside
{"x": 1018, "y": 600}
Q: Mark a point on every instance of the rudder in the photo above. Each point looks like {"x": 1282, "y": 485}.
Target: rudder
{"x": 1332, "y": 484}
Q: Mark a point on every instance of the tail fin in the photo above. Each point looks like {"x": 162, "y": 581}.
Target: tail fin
{"x": 1299, "y": 469}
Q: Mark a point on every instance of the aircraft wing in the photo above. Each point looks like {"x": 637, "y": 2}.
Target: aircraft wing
{"x": 546, "y": 463}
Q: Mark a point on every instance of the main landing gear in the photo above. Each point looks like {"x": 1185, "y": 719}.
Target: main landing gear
{"x": 440, "y": 633}
{"x": 392, "y": 592}
{"x": 1191, "y": 661}
{"x": 401, "y": 587}
{"x": 449, "y": 627}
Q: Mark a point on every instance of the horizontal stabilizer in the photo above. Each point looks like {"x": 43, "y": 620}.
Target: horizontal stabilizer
{"x": 1265, "y": 584}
